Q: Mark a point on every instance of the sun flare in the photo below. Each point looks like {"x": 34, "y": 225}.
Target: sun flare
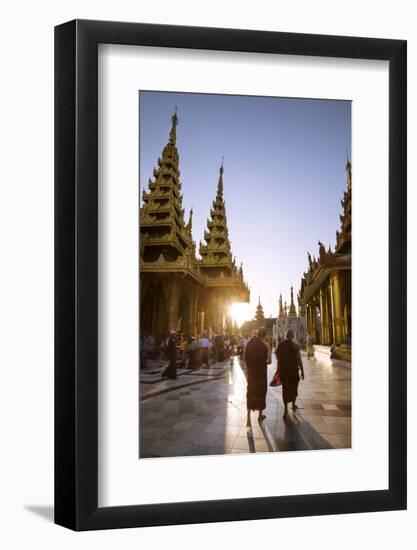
{"x": 240, "y": 312}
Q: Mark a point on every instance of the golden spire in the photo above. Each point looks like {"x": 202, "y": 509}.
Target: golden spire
{"x": 165, "y": 174}
{"x": 259, "y": 316}
{"x": 281, "y": 309}
{"x": 220, "y": 183}
{"x": 292, "y": 305}
{"x": 190, "y": 220}
{"x": 218, "y": 244}
{"x": 173, "y": 132}
{"x": 349, "y": 171}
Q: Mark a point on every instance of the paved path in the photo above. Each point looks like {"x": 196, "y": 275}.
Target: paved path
{"x": 203, "y": 412}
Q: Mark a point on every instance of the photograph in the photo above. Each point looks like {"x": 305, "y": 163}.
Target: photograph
{"x": 245, "y": 243}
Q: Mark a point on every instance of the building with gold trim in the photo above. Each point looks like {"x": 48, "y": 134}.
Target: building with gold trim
{"x": 326, "y": 288}
{"x": 178, "y": 289}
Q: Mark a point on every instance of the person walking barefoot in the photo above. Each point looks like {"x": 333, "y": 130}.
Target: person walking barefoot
{"x": 290, "y": 366}
{"x": 256, "y": 361}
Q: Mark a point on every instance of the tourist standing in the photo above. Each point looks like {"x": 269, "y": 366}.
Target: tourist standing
{"x": 243, "y": 343}
{"x": 192, "y": 352}
{"x": 289, "y": 365}
{"x": 256, "y": 362}
{"x": 171, "y": 355}
{"x": 204, "y": 344}
{"x": 219, "y": 347}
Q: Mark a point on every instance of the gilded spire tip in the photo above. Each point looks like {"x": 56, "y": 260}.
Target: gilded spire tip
{"x": 173, "y": 132}
{"x": 220, "y": 183}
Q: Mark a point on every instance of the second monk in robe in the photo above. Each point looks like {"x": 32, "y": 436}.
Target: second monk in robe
{"x": 289, "y": 363}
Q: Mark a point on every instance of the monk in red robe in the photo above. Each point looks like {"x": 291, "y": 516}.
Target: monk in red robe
{"x": 256, "y": 356}
{"x": 289, "y": 365}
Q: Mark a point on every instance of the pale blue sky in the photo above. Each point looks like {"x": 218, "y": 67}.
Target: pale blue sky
{"x": 284, "y": 175}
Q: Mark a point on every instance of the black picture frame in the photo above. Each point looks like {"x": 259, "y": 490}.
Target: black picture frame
{"x": 76, "y": 272}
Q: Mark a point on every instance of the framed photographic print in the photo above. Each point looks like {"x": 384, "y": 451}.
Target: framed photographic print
{"x": 230, "y": 275}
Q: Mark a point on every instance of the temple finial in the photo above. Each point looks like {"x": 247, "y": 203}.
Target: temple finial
{"x": 190, "y": 220}
{"x": 292, "y": 305}
{"x": 349, "y": 171}
{"x": 220, "y": 183}
{"x": 259, "y": 315}
{"x": 281, "y": 309}
{"x": 173, "y": 132}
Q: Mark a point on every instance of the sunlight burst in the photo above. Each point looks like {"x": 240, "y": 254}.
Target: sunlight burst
{"x": 240, "y": 312}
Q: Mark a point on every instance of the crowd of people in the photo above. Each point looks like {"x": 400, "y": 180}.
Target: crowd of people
{"x": 255, "y": 350}
{"x": 190, "y": 352}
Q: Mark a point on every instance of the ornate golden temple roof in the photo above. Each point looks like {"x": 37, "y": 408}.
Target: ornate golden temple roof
{"x": 166, "y": 243}
{"x": 217, "y": 250}
{"x": 327, "y": 260}
{"x": 162, "y": 222}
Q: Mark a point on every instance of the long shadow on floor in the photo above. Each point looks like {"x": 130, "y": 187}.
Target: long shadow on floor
{"x": 297, "y": 434}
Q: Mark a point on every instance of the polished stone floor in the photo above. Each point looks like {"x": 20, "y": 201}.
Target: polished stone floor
{"x": 203, "y": 412}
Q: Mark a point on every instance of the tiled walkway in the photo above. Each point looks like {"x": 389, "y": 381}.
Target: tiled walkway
{"x": 203, "y": 412}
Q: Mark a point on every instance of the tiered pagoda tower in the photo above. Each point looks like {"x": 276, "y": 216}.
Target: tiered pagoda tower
{"x": 216, "y": 256}
{"x": 179, "y": 291}
{"x": 259, "y": 314}
{"x": 162, "y": 226}
{"x": 224, "y": 281}
{"x": 170, "y": 279}
{"x": 344, "y": 236}
{"x": 292, "y": 311}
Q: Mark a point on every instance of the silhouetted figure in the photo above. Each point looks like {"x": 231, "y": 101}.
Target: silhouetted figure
{"x": 256, "y": 356}
{"x": 192, "y": 352}
{"x": 289, "y": 365}
{"x": 204, "y": 344}
{"x": 219, "y": 347}
{"x": 171, "y": 355}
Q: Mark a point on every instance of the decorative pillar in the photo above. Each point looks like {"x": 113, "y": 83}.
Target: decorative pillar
{"x": 172, "y": 294}
{"x": 220, "y": 316}
{"x": 314, "y": 321}
{"x": 201, "y": 322}
{"x": 323, "y": 317}
{"x": 345, "y": 302}
{"x": 193, "y": 312}
{"x": 329, "y": 313}
{"x": 308, "y": 310}
{"x": 338, "y": 324}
